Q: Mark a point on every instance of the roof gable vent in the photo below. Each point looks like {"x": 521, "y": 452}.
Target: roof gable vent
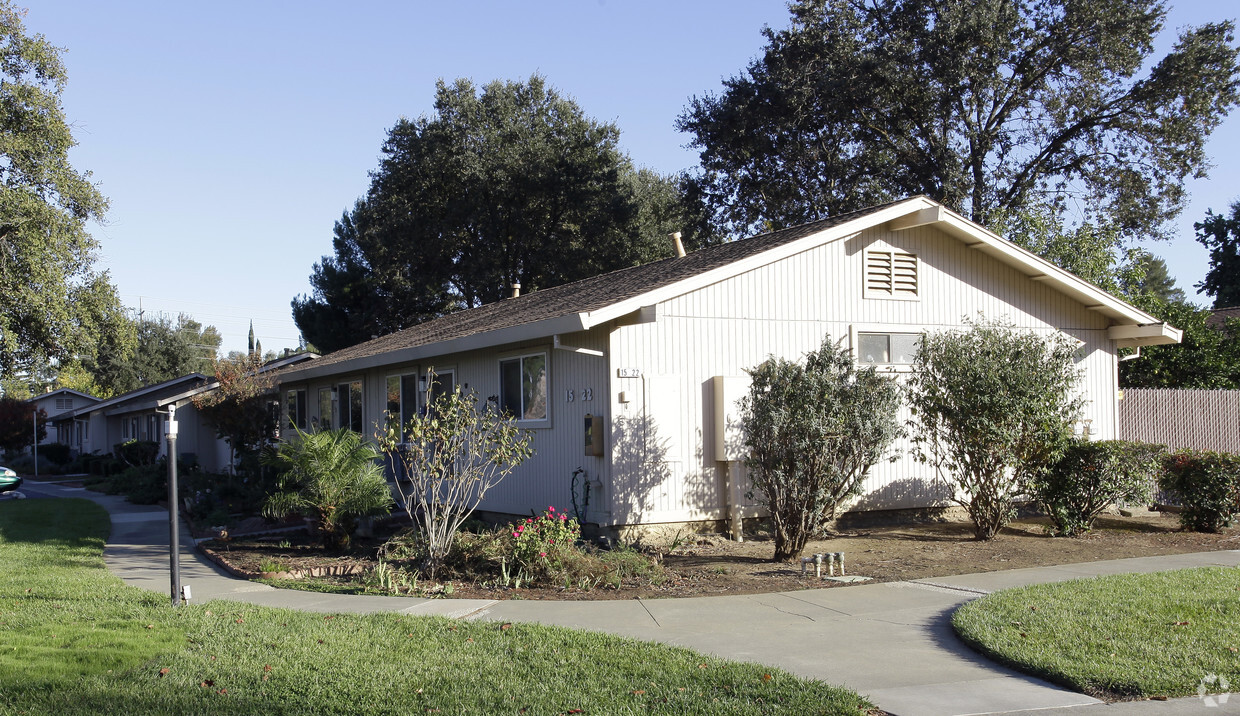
{"x": 891, "y": 274}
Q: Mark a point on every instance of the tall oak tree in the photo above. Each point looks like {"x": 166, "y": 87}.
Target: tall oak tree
{"x": 987, "y": 106}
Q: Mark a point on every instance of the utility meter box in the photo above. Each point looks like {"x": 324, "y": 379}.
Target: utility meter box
{"x": 594, "y": 435}
{"x": 729, "y": 439}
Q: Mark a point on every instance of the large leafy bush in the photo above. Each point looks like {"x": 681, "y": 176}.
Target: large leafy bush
{"x": 994, "y": 407}
{"x": 813, "y": 431}
{"x": 1207, "y": 485}
{"x": 1092, "y": 476}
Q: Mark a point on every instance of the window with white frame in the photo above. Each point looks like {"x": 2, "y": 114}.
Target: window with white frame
{"x": 886, "y": 348}
{"x": 402, "y": 398}
{"x": 523, "y": 389}
{"x": 325, "y": 409}
{"x": 891, "y": 274}
{"x": 349, "y": 405}
{"x": 295, "y": 409}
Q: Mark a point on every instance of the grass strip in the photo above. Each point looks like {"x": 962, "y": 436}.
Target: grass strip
{"x": 229, "y": 658}
{"x": 1117, "y": 637}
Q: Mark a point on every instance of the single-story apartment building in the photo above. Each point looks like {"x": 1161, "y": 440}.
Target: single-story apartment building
{"x": 632, "y": 377}
{"x": 62, "y": 402}
{"x": 142, "y": 415}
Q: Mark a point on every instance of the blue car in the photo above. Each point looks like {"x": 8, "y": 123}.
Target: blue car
{"x": 9, "y": 480}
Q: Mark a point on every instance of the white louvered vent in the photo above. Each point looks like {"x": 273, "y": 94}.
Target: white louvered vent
{"x": 890, "y": 274}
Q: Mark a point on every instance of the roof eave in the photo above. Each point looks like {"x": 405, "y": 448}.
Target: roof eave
{"x": 1039, "y": 269}
{"x": 1152, "y": 334}
{"x": 534, "y": 330}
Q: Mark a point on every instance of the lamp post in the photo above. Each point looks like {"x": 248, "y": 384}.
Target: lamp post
{"x": 34, "y": 419}
{"x": 174, "y": 527}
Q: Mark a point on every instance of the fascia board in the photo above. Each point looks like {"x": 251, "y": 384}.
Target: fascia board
{"x": 759, "y": 260}
{"x": 134, "y": 408}
{"x": 1153, "y": 334}
{"x": 102, "y": 405}
{"x": 477, "y": 341}
{"x": 187, "y": 394}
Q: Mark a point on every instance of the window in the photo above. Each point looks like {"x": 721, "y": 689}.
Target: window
{"x": 325, "y": 408}
{"x": 295, "y": 409}
{"x": 64, "y": 403}
{"x": 523, "y": 386}
{"x": 442, "y": 383}
{"x": 349, "y": 405}
{"x": 890, "y": 274}
{"x": 402, "y": 398}
{"x": 886, "y": 348}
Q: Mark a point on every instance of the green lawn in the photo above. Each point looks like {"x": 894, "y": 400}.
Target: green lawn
{"x": 75, "y": 640}
{"x": 1126, "y": 636}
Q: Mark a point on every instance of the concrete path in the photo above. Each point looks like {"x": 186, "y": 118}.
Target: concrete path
{"x": 892, "y": 642}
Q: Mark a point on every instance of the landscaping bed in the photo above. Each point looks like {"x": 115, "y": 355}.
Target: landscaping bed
{"x": 703, "y": 565}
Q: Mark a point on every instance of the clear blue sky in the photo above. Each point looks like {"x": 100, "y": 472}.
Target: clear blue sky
{"x": 229, "y": 136}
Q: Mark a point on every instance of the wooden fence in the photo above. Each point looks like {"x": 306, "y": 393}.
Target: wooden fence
{"x": 1197, "y": 419}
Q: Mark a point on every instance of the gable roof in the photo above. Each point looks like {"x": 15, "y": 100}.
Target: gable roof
{"x": 593, "y": 301}
{"x": 140, "y": 399}
{"x": 62, "y": 392}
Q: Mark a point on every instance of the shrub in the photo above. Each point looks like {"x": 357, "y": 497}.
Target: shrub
{"x": 451, "y": 456}
{"x": 813, "y": 431}
{"x": 1092, "y": 476}
{"x": 540, "y": 544}
{"x": 136, "y": 452}
{"x": 332, "y": 475}
{"x": 994, "y": 407}
{"x": 1207, "y": 485}
{"x": 141, "y": 485}
{"x": 58, "y": 453}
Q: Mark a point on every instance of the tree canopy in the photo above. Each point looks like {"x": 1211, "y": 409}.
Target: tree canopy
{"x": 1220, "y": 233}
{"x": 986, "y": 106}
{"x": 513, "y": 184}
{"x": 54, "y": 304}
{"x": 1208, "y": 356}
{"x": 165, "y": 350}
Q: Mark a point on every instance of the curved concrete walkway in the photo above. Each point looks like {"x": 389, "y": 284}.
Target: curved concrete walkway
{"x": 892, "y": 642}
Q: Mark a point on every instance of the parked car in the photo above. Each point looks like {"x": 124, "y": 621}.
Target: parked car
{"x": 9, "y": 480}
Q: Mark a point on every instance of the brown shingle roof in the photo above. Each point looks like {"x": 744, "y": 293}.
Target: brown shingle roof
{"x": 1220, "y": 315}
{"x": 583, "y": 296}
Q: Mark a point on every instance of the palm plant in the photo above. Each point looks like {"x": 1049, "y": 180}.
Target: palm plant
{"x": 332, "y": 474}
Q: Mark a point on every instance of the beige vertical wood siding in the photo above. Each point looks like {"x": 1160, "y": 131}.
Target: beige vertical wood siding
{"x": 785, "y": 309}
{"x": 1197, "y": 419}
{"x": 545, "y": 479}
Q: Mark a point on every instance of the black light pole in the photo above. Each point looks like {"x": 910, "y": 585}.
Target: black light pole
{"x": 174, "y": 527}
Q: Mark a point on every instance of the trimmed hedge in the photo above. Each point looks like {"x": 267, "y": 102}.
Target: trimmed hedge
{"x": 1092, "y": 476}
{"x": 1207, "y": 485}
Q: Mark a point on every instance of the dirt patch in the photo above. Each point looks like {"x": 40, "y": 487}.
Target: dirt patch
{"x": 713, "y": 565}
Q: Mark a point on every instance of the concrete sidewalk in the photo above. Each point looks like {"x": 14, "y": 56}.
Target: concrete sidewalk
{"x": 892, "y": 642}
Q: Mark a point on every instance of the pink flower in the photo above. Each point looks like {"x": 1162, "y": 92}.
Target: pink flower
{"x": 520, "y": 527}
{"x": 563, "y": 516}
{"x": 550, "y": 509}
{"x": 550, "y": 541}
{"x": 514, "y": 534}
{"x": 542, "y": 554}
